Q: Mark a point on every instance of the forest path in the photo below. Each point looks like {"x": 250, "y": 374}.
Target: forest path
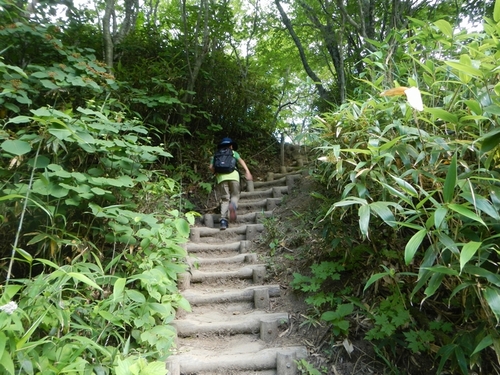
{"x": 238, "y": 324}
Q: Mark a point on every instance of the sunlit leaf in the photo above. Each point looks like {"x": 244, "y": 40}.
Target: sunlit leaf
{"x": 474, "y": 72}
{"x": 118, "y": 288}
{"x": 440, "y": 216}
{"x": 444, "y": 27}
{"x": 496, "y": 11}
{"x": 482, "y": 204}
{"x": 84, "y": 279}
{"x": 468, "y": 251}
{"x": 466, "y": 212}
{"x": 413, "y": 245}
{"x": 440, "y": 113}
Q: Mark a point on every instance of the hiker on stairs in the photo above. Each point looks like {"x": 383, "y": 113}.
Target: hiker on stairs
{"x": 223, "y": 165}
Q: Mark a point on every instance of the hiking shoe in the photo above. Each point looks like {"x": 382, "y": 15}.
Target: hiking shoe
{"x": 223, "y": 224}
{"x": 232, "y": 212}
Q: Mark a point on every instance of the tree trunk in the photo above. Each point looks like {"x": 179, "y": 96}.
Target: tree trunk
{"x": 106, "y": 32}
{"x": 323, "y": 93}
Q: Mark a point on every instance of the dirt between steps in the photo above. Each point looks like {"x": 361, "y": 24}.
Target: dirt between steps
{"x": 326, "y": 353}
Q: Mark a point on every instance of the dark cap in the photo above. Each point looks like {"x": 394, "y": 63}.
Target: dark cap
{"x": 226, "y": 142}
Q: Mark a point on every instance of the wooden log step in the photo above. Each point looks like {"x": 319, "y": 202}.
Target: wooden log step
{"x": 264, "y": 359}
{"x": 223, "y": 323}
{"x": 230, "y": 295}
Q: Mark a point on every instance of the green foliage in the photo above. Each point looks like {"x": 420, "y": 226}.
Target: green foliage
{"x": 390, "y": 315}
{"x": 340, "y": 325}
{"x": 318, "y": 285}
{"x": 91, "y": 269}
{"x": 431, "y": 179}
{"x": 306, "y": 368}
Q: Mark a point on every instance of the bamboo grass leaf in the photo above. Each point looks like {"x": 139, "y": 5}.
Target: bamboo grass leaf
{"x": 451, "y": 180}
{"x": 496, "y": 11}
{"x": 84, "y": 279}
{"x": 492, "y": 296}
{"x": 444, "y": 27}
{"x": 433, "y": 286}
{"x": 382, "y": 210}
{"x": 374, "y": 278}
{"x": 468, "y": 251}
{"x": 466, "y": 212}
{"x": 481, "y": 204}
{"x": 413, "y": 245}
{"x": 364, "y": 219}
{"x": 485, "y": 342}
{"x": 440, "y": 216}
{"x": 118, "y": 288}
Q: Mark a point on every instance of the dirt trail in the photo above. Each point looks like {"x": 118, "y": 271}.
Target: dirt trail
{"x": 238, "y": 325}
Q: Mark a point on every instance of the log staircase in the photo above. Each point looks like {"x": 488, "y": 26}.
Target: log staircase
{"x": 234, "y": 328}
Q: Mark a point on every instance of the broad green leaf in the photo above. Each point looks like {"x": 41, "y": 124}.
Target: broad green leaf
{"x": 364, "y": 219}
{"x": 443, "y": 114}
{"x": 433, "y": 285}
{"x": 481, "y": 272}
{"x": 474, "y": 72}
{"x": 440, "y": 216}
{"x": 118, "y": 288}
{"x": 8, "y": 291}
{"x": 451, "y": 180}
{"x": 7, "y": 363}
{"x": 84, "y": 279}
{"x": 29, "y": 332}
{"x": 468, "y": 251}
{"x": 465, "y": 60}
{"x": 474, "y": 106}
{"x": 482, "y": 204}
{"x": 16, "y": 147}
{"x": 413, "y": 245}
{"x": 383, "y": 211}
{"x": 492, "y": 296}
{"x": 135, "y": 295}
{"x": 374, "y": 278}
{"x": 62, "y": 134}
{"x": 184, "y": 304}
{"x": 407, "y": 187}
{"x": 485, "y": 342}
{"x": 182, "y": 227}
{"x": 442, "y": 270}
{"x": 448, "y": 243}
{"x": 3, "y": 341}
{"x": 20, "y": 120}
{"x": 444, "y": 27}
{"x": 99, "y": 191}
{"x": 490, "y": 140}
{"x": 110, "y": 317}
{"x": 40, "y": 162}
{"x": 48, "y": 84}
{"x": 154, "y": 368}
{"x": 466, "y": 212}
{"x": 492, "y": 109}
{"x": 345, "y": 309}
{"x": 496, "y": 11}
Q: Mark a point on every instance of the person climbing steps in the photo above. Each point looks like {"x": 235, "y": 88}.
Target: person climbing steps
{"x": 223, "y": 165}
